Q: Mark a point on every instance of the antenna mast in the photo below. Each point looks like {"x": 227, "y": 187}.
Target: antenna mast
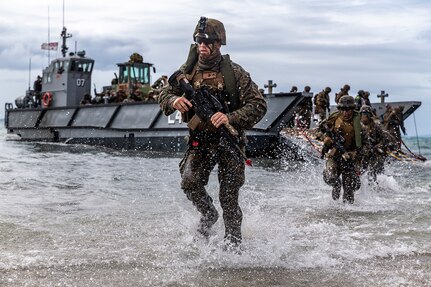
{"x": 29, "y": 73}
{"x": 49, "y": 28}
{"x": 64, "y": 36}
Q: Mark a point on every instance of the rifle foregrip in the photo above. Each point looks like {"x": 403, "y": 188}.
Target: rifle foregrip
{"x": 231, "y": 130}
{"x": 194, "y": 122}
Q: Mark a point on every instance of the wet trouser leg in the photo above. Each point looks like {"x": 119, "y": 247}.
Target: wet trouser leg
{"x": 195, "y": 170}
{"x": 377, "y": 166}
{"x": 351, "y": 183}
{"x": 231, "y": 176}
{"x": 331, "y": 176}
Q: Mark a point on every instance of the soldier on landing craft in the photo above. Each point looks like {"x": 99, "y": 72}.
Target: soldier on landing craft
{"x": 393, "y": 121}
{"x": 303, "y": 114}
{"x": 362, "y": 99}
{"x": 344, "y": 91}
{"x": 37, "y": 87}
{"x": 321, "y": 104}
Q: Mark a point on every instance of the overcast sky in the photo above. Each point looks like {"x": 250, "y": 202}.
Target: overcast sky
{"x": 371, "y": 45}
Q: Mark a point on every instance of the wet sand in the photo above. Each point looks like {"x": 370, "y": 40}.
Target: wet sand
{"x": 414, "y": 270}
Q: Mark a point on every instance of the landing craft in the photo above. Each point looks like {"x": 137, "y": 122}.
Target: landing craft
{"x": 120, "y": 123}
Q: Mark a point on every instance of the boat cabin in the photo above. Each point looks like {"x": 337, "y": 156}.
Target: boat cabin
{"x": 68, "y": 79}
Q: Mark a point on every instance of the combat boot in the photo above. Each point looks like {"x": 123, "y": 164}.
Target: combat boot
{"x": 336, "y": 190}
{"x": 207, "y": 221}
{"x": 348, "y": 196}
{"x": 232, "y": 244}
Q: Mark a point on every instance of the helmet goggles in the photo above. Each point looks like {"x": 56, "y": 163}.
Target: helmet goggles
{"x": 203, "y": 38}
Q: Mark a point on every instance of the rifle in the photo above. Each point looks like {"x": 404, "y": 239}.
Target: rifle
{"x": 205, "y": 105}
{"x": 337, "y": 141}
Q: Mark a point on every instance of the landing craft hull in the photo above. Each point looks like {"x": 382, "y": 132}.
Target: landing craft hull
{"x": 140, "y": 126}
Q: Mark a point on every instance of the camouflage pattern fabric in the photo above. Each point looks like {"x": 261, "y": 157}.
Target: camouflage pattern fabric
{"x": 252, "y": 104}
{"x": 207, "y": 148}
{"x": 336, "y": 165}
{"x": 377, "y": 142}
{"x": 393, "y": 121}
{"x": 321, "y": 104}
{"x": 340, "y": 94}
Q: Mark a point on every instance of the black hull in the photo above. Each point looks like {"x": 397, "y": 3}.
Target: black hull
{"x": 139, "y": 126}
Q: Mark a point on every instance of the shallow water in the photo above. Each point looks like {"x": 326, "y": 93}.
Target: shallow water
{"x": 86, "y": 216}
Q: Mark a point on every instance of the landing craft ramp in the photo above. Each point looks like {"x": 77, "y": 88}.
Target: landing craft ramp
{"x": 303, "y": 144}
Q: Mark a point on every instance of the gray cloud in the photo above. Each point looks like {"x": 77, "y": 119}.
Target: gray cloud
{"x": 372, "y": 45}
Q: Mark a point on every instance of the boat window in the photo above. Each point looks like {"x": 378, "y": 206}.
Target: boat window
{"x": 140, "y": 74}
{"x": 72, "y": 65}
{"x": 134, "y": 74}
{"x": 56, "y": 66}
{"x": 59, "y": 67}
{"x": 47, "y": 78}
{"x": 81, "y": 66}
{"x": 66, "y": 65}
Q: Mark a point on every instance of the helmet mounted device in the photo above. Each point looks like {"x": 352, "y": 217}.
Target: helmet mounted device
{"x": 208, "y": 31}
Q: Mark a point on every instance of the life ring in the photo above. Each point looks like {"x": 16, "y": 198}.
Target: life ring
{"x": 46, "y": 99}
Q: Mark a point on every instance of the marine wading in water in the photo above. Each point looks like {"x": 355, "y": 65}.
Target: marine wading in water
{"x": 342, "y": 148}
{"x": 232, "y": 104}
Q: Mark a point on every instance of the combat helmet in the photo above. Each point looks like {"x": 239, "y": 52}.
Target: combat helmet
{"x": 328, "y": 90}
{"x": 365, "y": 109}
{"x": 346, "y": 87}
{"x": 346, "y": 102}
{"x": 211, "y": 29}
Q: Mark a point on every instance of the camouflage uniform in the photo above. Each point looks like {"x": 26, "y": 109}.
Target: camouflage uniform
{"x": 376, "y": 143}
{"x": 362, "y": 99}
{"x": 37, "y": 87}
{"x": 321, "y": 103}
{"x": 206, "y": 147}
{"x": 305, "y": 108}
{"x": 339, "y": 164}
{"x": 344, "y": 91}
{"x": 393, "y": 120}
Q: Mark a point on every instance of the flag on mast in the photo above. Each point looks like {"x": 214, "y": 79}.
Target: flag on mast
{"x": 49, "y": 46}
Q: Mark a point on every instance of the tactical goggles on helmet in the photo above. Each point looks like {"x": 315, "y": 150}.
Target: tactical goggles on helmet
{"x": 207, "y": 41}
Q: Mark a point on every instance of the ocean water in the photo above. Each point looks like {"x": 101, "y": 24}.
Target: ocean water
{"x": 86, "y": 216}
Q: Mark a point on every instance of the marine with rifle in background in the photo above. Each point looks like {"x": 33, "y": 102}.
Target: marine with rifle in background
{"x": 377, "y": 143}
{"x": 342, "y": 148}
{"x": 304, "y": 109}
{"x": 219, "y": 101}
{"x": 362, "y": 99}
{"x": 321, "y": 104}
{"x": 344, "y": 91}
{"x": 393, "y": 121}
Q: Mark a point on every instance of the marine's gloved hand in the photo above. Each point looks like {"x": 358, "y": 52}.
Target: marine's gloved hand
{"x": 351, "y": 155}
{"x": 327, "y": 141}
